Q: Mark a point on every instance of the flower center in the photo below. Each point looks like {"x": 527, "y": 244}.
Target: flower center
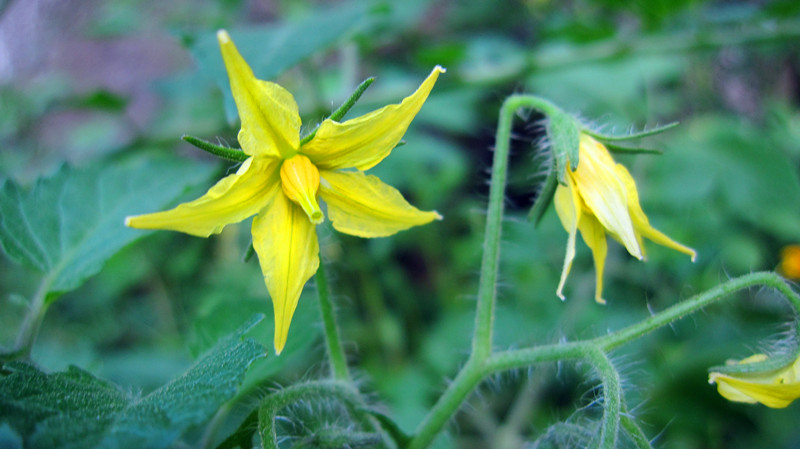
{"x": 300, "y": 181}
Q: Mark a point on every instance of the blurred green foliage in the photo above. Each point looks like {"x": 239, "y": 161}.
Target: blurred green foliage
{"x": 148, "y": 72}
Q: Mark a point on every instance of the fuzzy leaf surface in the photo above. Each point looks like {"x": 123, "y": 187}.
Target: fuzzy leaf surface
{"x": 74, "y": 409}
{"x": 67, "y": 225}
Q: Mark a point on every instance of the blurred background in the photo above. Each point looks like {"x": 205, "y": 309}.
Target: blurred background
{"x": 95, "y": 82}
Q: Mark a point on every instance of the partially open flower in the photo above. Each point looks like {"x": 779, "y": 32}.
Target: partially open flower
{"x": 600, "y": 198}
{"x": 773, "y": 388}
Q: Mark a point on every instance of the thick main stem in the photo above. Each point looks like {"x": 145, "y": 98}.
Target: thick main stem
{"x": 487, "y": 287}
{"x": 333, "y": 342}
{"x": 473, "y": 372}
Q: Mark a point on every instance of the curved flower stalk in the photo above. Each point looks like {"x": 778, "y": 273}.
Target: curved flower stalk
{"x": 600, "y": 198}
{"x": 283, "y": 178}
{"x": 775, "y": 388}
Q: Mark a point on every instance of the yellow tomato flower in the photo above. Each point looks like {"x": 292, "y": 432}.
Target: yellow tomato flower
{"x": 790, "y": 262}
{"x": 600, "y": 198}
{"x": 281, "y": 181}
{"x": 775, "y": 389}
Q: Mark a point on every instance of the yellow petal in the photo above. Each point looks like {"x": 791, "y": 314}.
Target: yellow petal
{"x": 231, "y": 200}
{"x": 773, "y": 395}
{"x": 640, "y": 221}
{"x": 288, "y": 252}
{"x": 270, "y": 121}
{"x": 362, "y": 205}
{"x": 364, "y": 141}
{"x": 604, "y": 193}
{"x": 595, "y": 237}
{"x": 568, "y": 209}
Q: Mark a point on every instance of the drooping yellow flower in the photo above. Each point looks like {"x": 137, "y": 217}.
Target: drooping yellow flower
{"x": 281, "y": 181}
{"x": 600, "y": 198}
{"x": 775, "y": 389}
{"x": 790, "y": 262}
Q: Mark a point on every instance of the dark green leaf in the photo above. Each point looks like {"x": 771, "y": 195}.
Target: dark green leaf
{"x": 69, "y": 224}
{"x": 74, "y": 409}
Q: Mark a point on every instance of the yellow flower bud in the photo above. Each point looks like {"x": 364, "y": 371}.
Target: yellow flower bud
{"x": 300, "y": 182}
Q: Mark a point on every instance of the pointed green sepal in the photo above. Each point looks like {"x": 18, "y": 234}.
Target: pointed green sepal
{"x": 771, "y": 363}
{"x": 605, "y": 138}
{"x": 545, "y": 197}
{"x": 564, "y": 135}
{"x": 231, "y": 154}
{"x": 342, "y": 110}
{"x": 631, "y": 150}
{"x": 249, "y": 253}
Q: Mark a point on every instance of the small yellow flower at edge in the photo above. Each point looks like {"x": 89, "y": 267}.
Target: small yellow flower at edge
{"x": 790, "y": 262}
{"x": 281, "y": 180}
{"x": 600, "y": 198}
{"x": 775, "y": 389}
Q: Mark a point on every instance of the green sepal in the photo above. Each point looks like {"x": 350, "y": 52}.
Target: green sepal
{"x": 636, "y": 135}
{"x": 545, "y": 197}
{"x": 564, "y": 135}
{"x": 342, "y": 110}
{"x": 231, "y": 154}
{"x": 249, "y": 253}
{"x": 631, "y": 150}
{"x": 772, "y": 363}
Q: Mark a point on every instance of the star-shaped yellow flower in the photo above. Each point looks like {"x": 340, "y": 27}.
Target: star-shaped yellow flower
{"x": 600, "y": 198}
{"x": 281, "y": 180}
{"x": 775, "y": 389}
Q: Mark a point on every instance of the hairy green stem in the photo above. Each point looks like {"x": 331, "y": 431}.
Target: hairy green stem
{"x": 273, "y": 403}
{"x": 476, "y": 370}
{"x": 333, "y": 342}
{"x": 487, "y": 294}
{"x": 482, "y": 362}
{"x": 465, "y": 382}
{"x": 612, "y": 393}
{"x": 640, "y": 440}
{"x": 695, "y": 303}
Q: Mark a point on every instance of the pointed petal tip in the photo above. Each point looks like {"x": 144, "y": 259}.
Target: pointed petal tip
{"x": 279, "y": 347}
{"x": 439, "y": 69}
{"x": 600, "y": 300}
{"x": 223, "y": 37}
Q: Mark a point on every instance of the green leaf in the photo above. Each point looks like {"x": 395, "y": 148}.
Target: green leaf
{"x": 74, "y": 409}
{"x": 270, "y": 50}
{"x": 69, "y": 224}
